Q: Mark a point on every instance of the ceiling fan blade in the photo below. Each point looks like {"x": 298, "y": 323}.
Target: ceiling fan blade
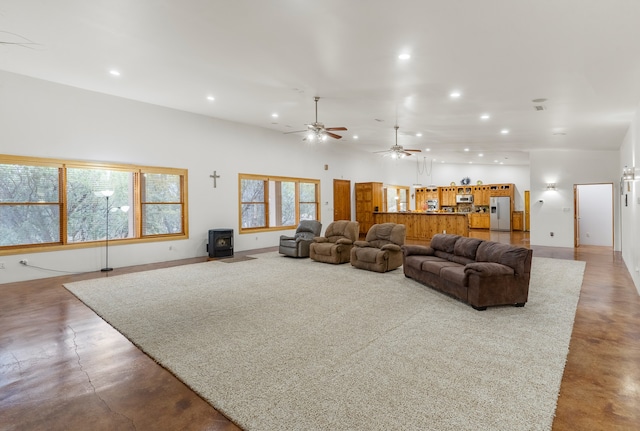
{"x": 406, "y": 154}
{"x": 333, "y": 135}
{"x": 416, "y": 151}
{"x": 297, "y": 131}
{"x": 335, "y": 128}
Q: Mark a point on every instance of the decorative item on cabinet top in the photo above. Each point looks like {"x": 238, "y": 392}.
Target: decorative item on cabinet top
{"x": 465, "y": 181}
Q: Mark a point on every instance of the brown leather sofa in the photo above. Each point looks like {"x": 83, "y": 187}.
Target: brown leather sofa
{"x": 480, "y": 273}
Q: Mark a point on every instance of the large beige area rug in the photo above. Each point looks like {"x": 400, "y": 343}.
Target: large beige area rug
{"x": 278, "y": 343}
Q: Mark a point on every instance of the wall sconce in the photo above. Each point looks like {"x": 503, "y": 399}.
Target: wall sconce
{"x": 628, "y": 174}
{"x": 551, "y": 186}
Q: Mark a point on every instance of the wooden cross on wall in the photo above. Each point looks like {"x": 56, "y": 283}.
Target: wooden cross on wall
{"x": 215, "y": 176}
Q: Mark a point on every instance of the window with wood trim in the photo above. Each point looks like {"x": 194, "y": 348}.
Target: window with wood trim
{"x": 46, "y": 203}
{"x": 276, "y": 203}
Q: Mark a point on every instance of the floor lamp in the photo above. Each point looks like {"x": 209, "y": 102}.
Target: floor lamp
{"x": 106, "y": 194}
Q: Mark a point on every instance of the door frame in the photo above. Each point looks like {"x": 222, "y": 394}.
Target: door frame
{"x": 576, "y": 213}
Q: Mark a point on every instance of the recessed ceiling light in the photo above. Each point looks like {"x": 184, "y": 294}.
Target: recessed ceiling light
{"x": 480, "y": 155}
{"x": 355, "y": 136}
{"x": 418, "y": 134}
{"x": 466, "y": 150}
{"x": 502, "y": 163}
{"x": 485, "y": 116}
{"x": 428, "y": 149}
{"x": 211, "y": 98}
{"x": 274, "y": 115}
{"x": 495, "y": 161}
{"x": 404, "y": 56}
{"x": 470, "y": 163}
{"x": 114, "y": 72}
{"x": 455, "y": 94}
{"x": 504, "y": 131}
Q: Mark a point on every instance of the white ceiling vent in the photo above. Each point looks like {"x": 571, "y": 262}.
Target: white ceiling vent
{"x": 539, "y": 108}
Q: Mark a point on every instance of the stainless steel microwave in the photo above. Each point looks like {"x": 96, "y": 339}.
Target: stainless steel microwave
{"x": 464, "y": 199}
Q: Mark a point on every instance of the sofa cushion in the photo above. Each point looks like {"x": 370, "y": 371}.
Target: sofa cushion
{"x": 444, "y": 242}
{"x": 415, "y": 261}
{"x": 466, "y": 247}
{"x": 455, "y": 274}
{"x": 435, "y": 266}
{"x": 488, "y": 269}
{"x": 514, "y": 257}
{"x": 443, "y": 255}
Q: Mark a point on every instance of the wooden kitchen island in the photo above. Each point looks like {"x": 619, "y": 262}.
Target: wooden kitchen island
{"x": 423, "y": 226}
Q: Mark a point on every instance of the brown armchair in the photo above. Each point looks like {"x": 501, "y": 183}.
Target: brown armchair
{"x": 380, "y": 251}
{"x": 335, "y": 245}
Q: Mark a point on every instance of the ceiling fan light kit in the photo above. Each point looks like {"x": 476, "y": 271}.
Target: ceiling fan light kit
{"x": 316, "y": 130}
{"x": 397, "y": 151}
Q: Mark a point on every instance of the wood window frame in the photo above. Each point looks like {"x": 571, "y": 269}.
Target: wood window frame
{"x": 277, "y": 204}
{"x": 136, "y": 170}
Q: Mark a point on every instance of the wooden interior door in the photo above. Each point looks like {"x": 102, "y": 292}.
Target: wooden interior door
{"x": 341, "y": 199}
{"x": 527, "y": 210}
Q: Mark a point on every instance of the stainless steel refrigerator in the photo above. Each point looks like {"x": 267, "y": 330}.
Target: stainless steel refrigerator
{"x": 500, "y": 213}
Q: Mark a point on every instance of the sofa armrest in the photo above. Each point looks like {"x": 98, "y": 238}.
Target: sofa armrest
{"x": 320, "y": 239}
{"x": 488, "y": 269}
{"x": 344, "y": 241}
{"x": 361, "y": 244}
{"x": 410, "y": 250}
{"x": 391, "y": 247}
{"x": 286, "y": 237}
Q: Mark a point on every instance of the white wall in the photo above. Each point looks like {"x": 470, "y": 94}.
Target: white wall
{"x": 630, "y": 214}
{"x": 553, "y": 211}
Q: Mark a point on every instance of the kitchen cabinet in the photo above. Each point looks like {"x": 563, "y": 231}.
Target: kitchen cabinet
{"x": 448, "y": 196}
{"x": 423, "y": 226}
{"x": 479, "y": 220}
{"x": 423, "y": 194}
{"x": 481, "y": 195}
{"x": 517, "y": 219}
{"x": 501, "y": 190}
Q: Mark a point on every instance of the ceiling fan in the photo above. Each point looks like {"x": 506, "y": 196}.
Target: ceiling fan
{"x": 397, "y": 151}
{"x": 317, "y": 132}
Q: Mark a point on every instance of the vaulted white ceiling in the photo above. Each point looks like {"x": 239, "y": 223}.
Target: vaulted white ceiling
{"x": 259, "y": 58}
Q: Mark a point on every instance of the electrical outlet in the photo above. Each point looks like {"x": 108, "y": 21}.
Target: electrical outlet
{"x": 550, "y": 233}
{"x": 1, "y": 265}
{"x": 444, "y": 231}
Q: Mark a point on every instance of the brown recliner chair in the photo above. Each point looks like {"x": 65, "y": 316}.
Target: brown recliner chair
{"x": 335, "y": 245}
{"x": 380, "y": 251}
